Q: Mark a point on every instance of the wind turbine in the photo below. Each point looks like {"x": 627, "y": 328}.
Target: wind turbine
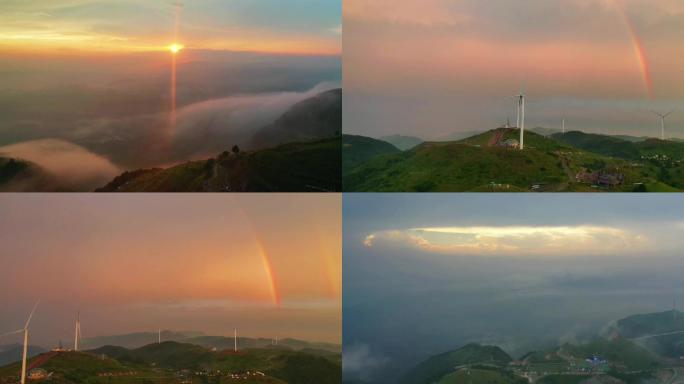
{"x": 24, "y": 356}
{"x": 159, "y": 336}
{"x": 77, "y": 331}
{"x": 521, "y": 117}
{"x": 235, "y": 339}
{"x": 563, "y": 126}
{"x": 662, "y": 122}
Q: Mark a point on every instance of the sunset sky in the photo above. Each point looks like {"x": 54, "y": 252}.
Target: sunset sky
{"x": 95, "y": 81}
{"x": 302, "y": 26}
{"x": 434, "y": 67}
{"x": 269, "y": 265}
{"x": 429, "y": 273}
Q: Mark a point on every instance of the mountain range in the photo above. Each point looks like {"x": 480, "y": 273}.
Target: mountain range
{"x": 200, "y": 358}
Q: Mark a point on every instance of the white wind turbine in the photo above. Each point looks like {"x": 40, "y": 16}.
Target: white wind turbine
{"x": 563, "y": 126}
{"x": 235, "y": 339}
{"x": 662, "y": 122}
{"x": 521, "y": 117}
{"x": 24, "y": 356}
{"x": 77, "y": 332}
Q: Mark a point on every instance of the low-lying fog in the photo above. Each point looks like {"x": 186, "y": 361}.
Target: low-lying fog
{"x": 111, "y": 113}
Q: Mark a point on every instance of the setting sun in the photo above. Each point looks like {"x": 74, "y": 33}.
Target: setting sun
{"x": 175, "y": 48}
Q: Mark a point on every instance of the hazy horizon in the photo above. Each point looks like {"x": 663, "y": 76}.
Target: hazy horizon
{"x": 171, "y": 262}
{"x": 433, "y": 68}
{"x": 429, "y": 273}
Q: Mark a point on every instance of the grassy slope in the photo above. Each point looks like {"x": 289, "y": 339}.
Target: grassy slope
{"x": 470, "y": 165}
{"x": 359, "y": 149}
{"x": 622, "y": 352}
{"x": 459, "y": 166}
{"x": 296, "y": 167}
{"x": 402, "y": 142}
{"x": 79, "y": 367}
{"x": 601, "y": 144}
{"x": 671, "y": 345}
{"x": 481, "y": 376}
{"x": 441, "y": 365}
{"x": 283, "y": 365}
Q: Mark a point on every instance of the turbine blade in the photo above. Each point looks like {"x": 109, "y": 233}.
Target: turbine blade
{"x": 31, "y": 315}
{"x": 12, "y": 333}
{"x": 668, "y": 114}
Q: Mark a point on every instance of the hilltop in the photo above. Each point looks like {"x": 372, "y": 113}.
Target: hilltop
{"x": 619, "y": 147}
{"x": 662, "y": 332}
{"x": 490, "y": 161}
{"x": 439, "y": 368}
{"x": 295, "y": 167}
{"x": 173, "y": 362}
{"x": 402, "y": 142}
{"x": 358, "y": 149}
{"x": 315, "y": 118}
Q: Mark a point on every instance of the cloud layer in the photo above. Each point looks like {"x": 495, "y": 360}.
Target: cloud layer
{"x": 74, "y": 167}
{"x": 548, "y": 241}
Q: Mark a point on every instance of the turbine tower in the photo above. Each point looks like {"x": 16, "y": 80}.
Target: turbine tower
{"x": 159, "y": 336}
{"x": 662, "y": 122}
{"x": 235, "y": 339}
{"x": 521, "y": 117}
{"x": 77, "y": 331}
{"x": 563, "y": 126}
{"x": 24, "y": 355}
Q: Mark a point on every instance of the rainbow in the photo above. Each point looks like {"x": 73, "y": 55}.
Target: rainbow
{"x": 268, "y": 270}
{"x": 271, "y": 279}
{"x": 639, "y": 49}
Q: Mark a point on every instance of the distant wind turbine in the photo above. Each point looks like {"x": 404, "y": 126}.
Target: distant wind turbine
{"x": 77, "y": 331}
{"x": 235, "y": 339}
{"x": 662, "y": 122}
{"x": 563, "y": 126}
{"x": 24, "y": 355}
{"x": 159, "y": 336}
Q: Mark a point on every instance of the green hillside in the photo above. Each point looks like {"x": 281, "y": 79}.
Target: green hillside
{"x": 79, "y": 367}
{"x": 481, "y": 376}
{"x": 402, "y": 142}
{"x": 662, "y": 333}
{"x": 619, "y": 353}
{"x": 315, "y": 118}
{"x": 482, "y": 163}
{"x": 295, "y": 167}
{"x": 618, "y": 147}
{"x": 171, "y": 362}
{"x": 359, "y": 149}
{"x": 436, "y": 367}
{"x": 601, "y": 144}
{"x": 650, "y": 324}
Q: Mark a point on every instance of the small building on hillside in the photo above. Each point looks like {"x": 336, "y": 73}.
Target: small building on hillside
{"x": 509, "y": 143}
{"x": 37, "y": 374}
